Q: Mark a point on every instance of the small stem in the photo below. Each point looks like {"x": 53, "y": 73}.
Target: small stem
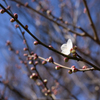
{"x": 91, "y": 21}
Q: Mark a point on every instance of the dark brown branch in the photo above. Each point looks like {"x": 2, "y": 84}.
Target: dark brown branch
{"x": 15, "y": 91}
{"x": 70, "y": 57}
{"x": 84, "y": 33}
{"x": 91, "y": 21}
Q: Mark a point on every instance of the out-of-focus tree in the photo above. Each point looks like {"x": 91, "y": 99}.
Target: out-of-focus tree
{"x": 49, "y": 49}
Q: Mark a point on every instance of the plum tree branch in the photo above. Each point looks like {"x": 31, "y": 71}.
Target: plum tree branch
{"x": 70, "y": 57}
{"x": 91, "y": 21}
{"x": 84, "y": 33}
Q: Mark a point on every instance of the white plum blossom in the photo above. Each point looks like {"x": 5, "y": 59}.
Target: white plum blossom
{"x": 66, "y": 47}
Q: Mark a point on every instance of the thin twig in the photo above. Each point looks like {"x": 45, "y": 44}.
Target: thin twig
{"x": 70, "y": 57}
{"x": 62, "y": 66}
{"x": 84, "y": 33}
{"x": 91, "y": 21}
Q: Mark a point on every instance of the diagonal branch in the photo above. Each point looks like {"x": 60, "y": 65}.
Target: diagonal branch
{"x": 91, "y": 21}
{"x": 84, "y": 33}
{"x": 41, "y": 43}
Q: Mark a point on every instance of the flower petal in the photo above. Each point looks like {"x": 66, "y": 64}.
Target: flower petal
{"x": 66, "y": 47}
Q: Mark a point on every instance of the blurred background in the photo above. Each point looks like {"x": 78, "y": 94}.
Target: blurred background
{"x": 15, "y": 70}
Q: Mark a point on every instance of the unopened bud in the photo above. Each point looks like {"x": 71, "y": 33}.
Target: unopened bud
{"x": 60, "y": 18}
{"x": 35, "y": 56}
{"x": 74, "y": 54}
{"x": 32, "y": 68}
{"x": 57, "y": 67}
{"x": 8, "y": 43}
{"x": 50, "y": 59}
{"x": 44, "y": 62}
{"x": 25, "y": 54}
{"x": 84, "y": 67}
{"x": 50, "y": 46}
{"x": 66, "y": 22}
{"x": 23, "y": 32}
{"x": 26, "y": 26}
{"x": 25, "y": 62}
{"x": 72, "y": 51}
{"x": 48, "y": 12}
{"x": 26, "y": 4}
{"x": 21, "y": 61}
{"x": 8, "y": 8}
{"x": 32, "y": 53}
{"x": 48, "y": 92}
{"x": 30, "y": 62}
{"x": 16, "y": 26}
{"x": 10, "y": 49}
{"x": 36, "y": 62}
{"x": 34, "y": 76}
{"x": 36, "y": 42}
{"x": 75, "y": 47}
{"x": 66, "y": 59}
{"x": 17, "y": 52}
{"x": 74, "y": 69}
{"x": 70, "y": 71}
{"x": 15, "y": 15}
{"x": 2, "y": 11}
{"x": 45, "y": 81}
{"x": 25, "y": 49}
{"x": 12, "y": 20}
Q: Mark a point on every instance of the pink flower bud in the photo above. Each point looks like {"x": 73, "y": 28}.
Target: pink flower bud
{"x": 15, "y": 15}
{"x": 50, "y": 59}
{"x": 29, "y": 58}
{"x": 70, "y": 71}
{"x": 25, "y": 49}
{"x": 35, "y": 56}
{"x": 16, "y": 26}
{"x": 21, "y": 62}
{"x": 34, "y": 76}
{"x": 36, "y": 42}
{"x": 48, "y": 12}
{"x": 2, "y": 11}
{"x": 32, "y": 68}
{"x": 84, "y": 10}
{"x": 44, "y": 62}
{"x": 73, "y": 66}
{"x": 23, "y": 32}
{"x": 66, "y": 22}
{"x": 24, "y": 41}
{"x": 25, "y": 62}
{"x": 57, "y": 67}
{"x": 30, "y": 62}
{"x": 60, "y": 18}
{"x": 36, "y": 62}
{"x": 12, "y": 20}
{"x": 45, "y": 81}
{"x": 74, "y": 69}
{"x": 8, "y": 43}
{"x": 50, "y": 46}
{"x": 48, "y": 92}
{"x": 8, "y": 8}
{"x": 84, "y": 67}
{"x": 26, "y": 26}
{"x": 74, "y": 54}
{"x": 66, "y": 59}
{"x": 17, "y": 52}
{"x": 75, "y": 47}
{"x": 10, "y": 49}
{"x": 72, "y": 51}
{"x": 25, "y": 54}
{"x": 32, "y": 53}
{"x": 26, "y": 4}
